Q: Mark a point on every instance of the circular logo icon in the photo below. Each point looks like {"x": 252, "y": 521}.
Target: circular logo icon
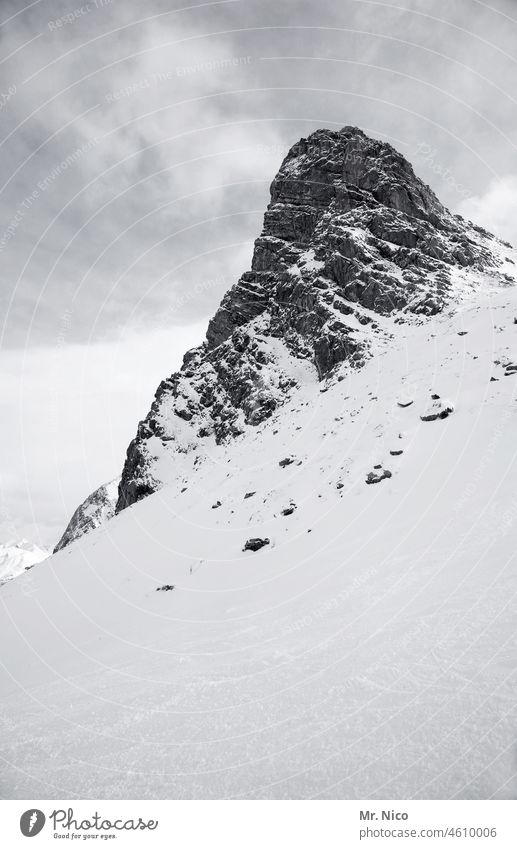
{"x": 31, "y": 822}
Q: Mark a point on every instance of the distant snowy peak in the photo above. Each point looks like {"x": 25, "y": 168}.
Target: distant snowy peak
{"x": 18, "y": 556}
{"x": 94, "y": 511}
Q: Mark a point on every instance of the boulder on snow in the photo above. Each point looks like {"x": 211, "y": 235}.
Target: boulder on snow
{"x": 438, "y": 410}
{"x": 396, "y": 453}
{"x": 377, "y": 477}
{"x": 286, "y": 462}
{"x": 288, "y": 510}
{"x": 255, "y": 543}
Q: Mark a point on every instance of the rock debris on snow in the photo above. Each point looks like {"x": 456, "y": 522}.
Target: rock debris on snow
{"x": 255, "y": 543}
{"x": 287, "y": 461}
{"x": 377, "y": 477}
{"x": 437, "y": 410}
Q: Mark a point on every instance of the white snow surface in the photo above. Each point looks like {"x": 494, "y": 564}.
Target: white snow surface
{"x": 368, "y": 651}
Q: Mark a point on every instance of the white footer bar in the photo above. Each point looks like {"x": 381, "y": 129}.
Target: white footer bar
{"x": 259, "y": 824}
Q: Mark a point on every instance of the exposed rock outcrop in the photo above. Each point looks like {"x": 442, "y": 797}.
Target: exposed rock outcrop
{"x": 94, "y": 511}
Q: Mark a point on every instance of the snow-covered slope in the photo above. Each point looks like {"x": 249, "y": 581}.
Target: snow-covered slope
{"x": 17, "y": 556}
{"x": 366, "y": 651}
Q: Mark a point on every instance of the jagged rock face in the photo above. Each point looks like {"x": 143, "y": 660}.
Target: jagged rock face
{"x": 348, "y": 223}
{"x": 351, "y": 235}
{"x": 94, "y": 511}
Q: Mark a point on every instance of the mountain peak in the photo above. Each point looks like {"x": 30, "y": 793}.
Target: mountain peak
{"x": 353, "y": 244}
{"x": 348, "y": 167}
{"x": 376, "y": 230}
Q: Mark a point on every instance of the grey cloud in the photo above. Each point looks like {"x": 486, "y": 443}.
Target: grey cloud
{"x": 176, "y": 111}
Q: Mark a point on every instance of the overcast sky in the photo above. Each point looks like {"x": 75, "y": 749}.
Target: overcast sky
{"x": 138, "y": 142}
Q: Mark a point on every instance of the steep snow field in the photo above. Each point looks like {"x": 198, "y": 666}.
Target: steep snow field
{"x": 368, "y": 651}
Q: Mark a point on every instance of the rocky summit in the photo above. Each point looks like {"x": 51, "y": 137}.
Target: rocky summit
{"x": 353, "y": 244}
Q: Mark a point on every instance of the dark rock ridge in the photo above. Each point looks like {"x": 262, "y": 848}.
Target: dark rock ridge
{"x": 94, "y": 511}
{"x": 352, "y": 243}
